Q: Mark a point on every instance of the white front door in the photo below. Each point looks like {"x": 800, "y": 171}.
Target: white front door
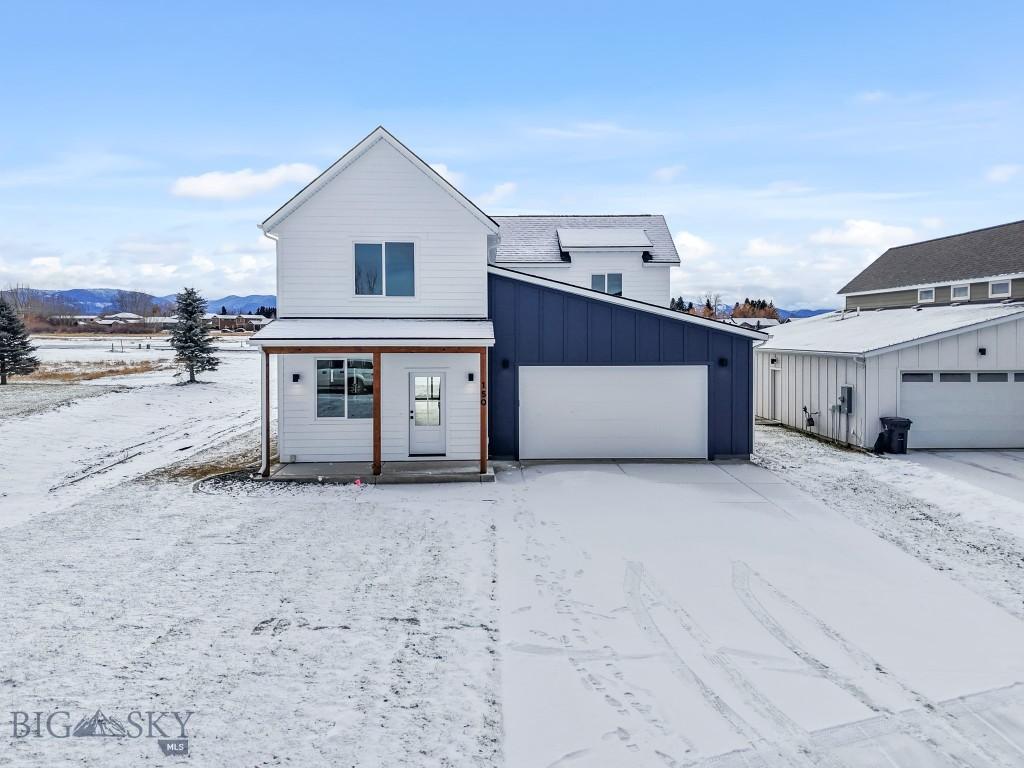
{"x": 426, "y": 414}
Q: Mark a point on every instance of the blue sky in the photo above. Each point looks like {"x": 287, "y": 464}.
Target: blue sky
{"x": 787, "y": 145}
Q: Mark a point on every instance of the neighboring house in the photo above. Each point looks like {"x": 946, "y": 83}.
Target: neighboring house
{"x": 956, "y": 372}
{"x": 238, "y": 322}
{"x": 161, "y": 321}
{"x": 985, "y": 265}
{"x": 619, "y": 255}
{"x": 401, "y": 336}
{"x": 124, "y": 317}
{"x": 754, "y": 323}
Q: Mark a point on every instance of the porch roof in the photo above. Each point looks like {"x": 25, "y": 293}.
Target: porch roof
{"x": 378, "y": 332}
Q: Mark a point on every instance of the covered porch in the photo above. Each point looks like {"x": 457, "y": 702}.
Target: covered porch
{"x": 383, "y": 400}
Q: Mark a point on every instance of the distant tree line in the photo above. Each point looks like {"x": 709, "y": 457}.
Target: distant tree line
{"x": 710, "y": 305}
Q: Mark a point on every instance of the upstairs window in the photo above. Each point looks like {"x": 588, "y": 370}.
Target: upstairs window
{"x": 960, "y": 292}
{"x": 999, "y": 289}
{"x": 610, "y": 283}
{"x": 925, "y": 295}
{"x": 385, "y": 269}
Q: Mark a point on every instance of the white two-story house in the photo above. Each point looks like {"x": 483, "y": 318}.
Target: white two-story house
{"x": 413, "y": 326}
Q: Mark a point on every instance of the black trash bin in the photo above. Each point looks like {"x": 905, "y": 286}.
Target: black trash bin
{"x": 896, "y": 429}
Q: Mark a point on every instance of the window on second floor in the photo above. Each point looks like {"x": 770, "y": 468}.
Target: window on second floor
{"x": 925, "y": 295}
{"x": 385, "y": 269}
{"x": 999, "y": 289}
{"x": 610, "y": 283}
{"x": 960, "y": 292}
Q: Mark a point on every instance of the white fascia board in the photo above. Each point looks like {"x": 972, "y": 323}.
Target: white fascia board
{"x": 760, "y": 349}
{"x": 383, "y": 343}
{"x": 620, "y": 301}
{"x": 378, "y": 134}
{"x": 943, "y": 284}
{"x": 532, "y": 264}
{"x": 945, "y": 334}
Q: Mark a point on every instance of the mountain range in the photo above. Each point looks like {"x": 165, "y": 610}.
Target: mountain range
{"x": 96, "y": 301}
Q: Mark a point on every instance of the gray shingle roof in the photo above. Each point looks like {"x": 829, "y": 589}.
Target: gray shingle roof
{"x": 981, "y": 253}
{"x": 534, "y": 239}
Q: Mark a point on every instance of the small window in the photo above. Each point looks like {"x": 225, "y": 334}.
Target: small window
{"x": 960, "y": 292}
{"x": 610, "y": 283}
{"x": 344, "y": 389}
{"x": 385, "y": 269}
{"x": 955, "y": 378}
{"x": 999, "y": 289}
{"x": 925, "y": 295}
{"x": 1019, "y": 378}
{"x": 917, "y": 378}
{"x": 993, "y": 378}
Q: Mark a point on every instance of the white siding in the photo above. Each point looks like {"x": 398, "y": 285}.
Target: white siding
{"x": 639, "y": 281}
{"x": 381, "y": 196}
{"x": 813, "y": 379}
{"x": 308, "y": 438}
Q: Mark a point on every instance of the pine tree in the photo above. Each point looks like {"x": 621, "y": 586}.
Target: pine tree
{"x": 223, "y": 309}
{"x": 15, "y": 351}
{"x": 190, "y": 337}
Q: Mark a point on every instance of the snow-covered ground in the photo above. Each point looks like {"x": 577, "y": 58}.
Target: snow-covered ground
{"x": 826, "y": 608}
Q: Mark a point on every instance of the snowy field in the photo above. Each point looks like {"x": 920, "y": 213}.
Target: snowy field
{"x": 823, "y": 608}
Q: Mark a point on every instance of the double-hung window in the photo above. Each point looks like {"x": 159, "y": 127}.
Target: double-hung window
{"x": 344, "y": 388}
{"x": 610, "y": 283}
{"x": 385, "y": 269}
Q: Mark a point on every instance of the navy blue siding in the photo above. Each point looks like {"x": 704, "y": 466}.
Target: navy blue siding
{"x": 541, "y": 325}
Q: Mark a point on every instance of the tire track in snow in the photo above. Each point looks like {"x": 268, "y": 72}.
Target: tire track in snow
{"x": 635, "y": 583}
{"x": 946, "y": 722}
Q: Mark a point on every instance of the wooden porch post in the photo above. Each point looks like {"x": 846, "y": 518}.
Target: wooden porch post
{"x": 378, "y": 377}
{"x": 483, "y": 410}
{"x": 264, "y": 413}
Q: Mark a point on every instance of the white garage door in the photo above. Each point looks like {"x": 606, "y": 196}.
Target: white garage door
{"x": 613, "y": 412}
{"x": 960, "y": 409}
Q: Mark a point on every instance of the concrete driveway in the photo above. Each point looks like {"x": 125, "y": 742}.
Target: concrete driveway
{"x": 666, "y": 614}
{"x": 1000, "y": 472}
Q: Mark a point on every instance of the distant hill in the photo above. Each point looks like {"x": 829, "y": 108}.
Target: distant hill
{"x": 796, "y": 314}
{"x": 97, "y": 301}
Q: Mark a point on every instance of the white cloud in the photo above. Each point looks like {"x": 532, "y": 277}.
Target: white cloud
{"x": 498, "y": 193}
{"x": 668, "y": 173}
{"x": 1000, "y": 174}
{"x": 231, "y": 185}
{"x": 931, "y": 222}
{"x": 760, "y": 247}
{"x": 691, "y": 246}
{"x": 452, "y": 177}
{"x": 45, "y": 263}
{"x": 863, "y": 233}
{"x": 592, "y": 130}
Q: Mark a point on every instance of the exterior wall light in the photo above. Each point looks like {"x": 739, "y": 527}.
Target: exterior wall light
{"x": 296, "y": 377}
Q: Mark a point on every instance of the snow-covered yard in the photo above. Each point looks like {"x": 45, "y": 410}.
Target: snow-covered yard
{"x": 820, "y": 609}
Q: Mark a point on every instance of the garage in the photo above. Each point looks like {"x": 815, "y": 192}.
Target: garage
{"x": 613, "y": 412}
{"x": 964, "y": 409}
{"x": 579, "y": 374}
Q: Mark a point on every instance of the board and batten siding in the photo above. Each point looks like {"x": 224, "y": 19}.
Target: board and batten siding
{"x": 543, "y": 325}
{"x": 640, "y": 281}
{"x": 381, "y": 196}
{"x": 308, "y": 438}
{"x": 814, "y": 379}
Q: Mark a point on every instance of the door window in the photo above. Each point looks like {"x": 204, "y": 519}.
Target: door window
{"x": 427, "y": 401}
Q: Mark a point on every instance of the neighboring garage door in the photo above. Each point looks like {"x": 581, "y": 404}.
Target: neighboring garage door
{"x": 613, "y": 412}
{"x": 960, "y": 409}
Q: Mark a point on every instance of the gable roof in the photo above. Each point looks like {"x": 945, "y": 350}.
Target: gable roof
{"x": 872, "y": 332}
{"x": 981, "y": 253}
{"x": 535, "y": 239}
{"x": 622, "y": 301}
{"x": 378, "y": 134}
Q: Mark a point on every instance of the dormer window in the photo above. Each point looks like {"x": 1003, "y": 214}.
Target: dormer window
{"x": 999, "y": 289}
{"x": 960, "y": 292}
{"x": 925, "y": 295}
{"x": 610, "y": 283}
{"x": 385, "y": 269}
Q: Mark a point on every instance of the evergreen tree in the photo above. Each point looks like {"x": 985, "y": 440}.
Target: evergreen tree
{"x": 223, "y": 309}
{"x": 15, "y": 351}
{"x": 190, "y": 337}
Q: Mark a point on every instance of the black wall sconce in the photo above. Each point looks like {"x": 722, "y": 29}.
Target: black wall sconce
{"x": 723, "y": 362}
{"x": 296, "y": 377}
{"x": 982, "y": 351}
{"x": 469, "y": 377}
{"x": 504, "y": 362}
